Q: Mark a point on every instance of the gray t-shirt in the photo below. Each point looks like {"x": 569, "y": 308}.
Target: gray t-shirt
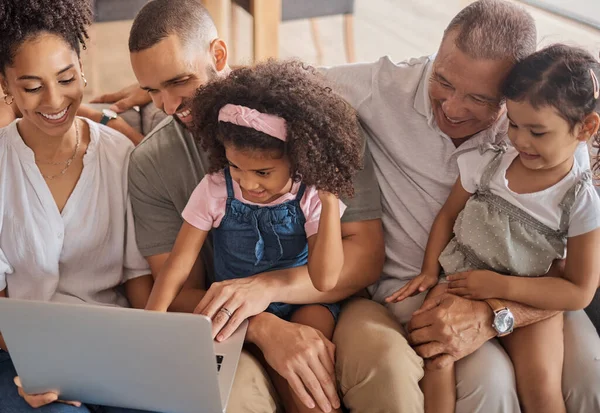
{"x": 168, "y": 164}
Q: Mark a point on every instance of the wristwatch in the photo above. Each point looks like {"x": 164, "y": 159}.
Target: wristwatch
{"x": 504, "y": 321}
{"x": 107, "y": 115}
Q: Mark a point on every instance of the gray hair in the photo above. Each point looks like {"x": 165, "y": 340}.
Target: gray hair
{"x": 495, "y": 30}
{"x": 187, "y": 19}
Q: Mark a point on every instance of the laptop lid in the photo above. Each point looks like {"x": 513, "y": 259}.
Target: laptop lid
{"x": 118, "y": 357}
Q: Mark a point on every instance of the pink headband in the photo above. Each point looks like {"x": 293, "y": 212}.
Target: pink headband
{"x": 272, "y": 125}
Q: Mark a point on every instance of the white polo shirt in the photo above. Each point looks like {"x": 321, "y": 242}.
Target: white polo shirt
{"x": 415, "y": 163}
{"x": 82, "y": 254}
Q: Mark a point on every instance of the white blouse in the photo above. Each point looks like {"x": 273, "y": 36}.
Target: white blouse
{"x": 79, "y": 255}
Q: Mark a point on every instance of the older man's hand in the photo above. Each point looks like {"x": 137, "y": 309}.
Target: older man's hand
{"x": 447, "y": 328}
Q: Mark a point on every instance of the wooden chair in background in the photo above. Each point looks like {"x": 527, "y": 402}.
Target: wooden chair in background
{"x": 106, "y": 11}
{"x": 267, "y": 13}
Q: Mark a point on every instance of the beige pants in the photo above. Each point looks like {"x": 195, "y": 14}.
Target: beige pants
{"x": 485, "y": 380}
{"x": 379, "y": 372}
{"x": 376, "y": 368}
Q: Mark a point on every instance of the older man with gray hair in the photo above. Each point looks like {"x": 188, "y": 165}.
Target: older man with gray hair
{"x": 420, "y": 115}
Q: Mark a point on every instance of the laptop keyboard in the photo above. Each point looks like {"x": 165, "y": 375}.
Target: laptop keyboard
{"x": 219, "y": 362}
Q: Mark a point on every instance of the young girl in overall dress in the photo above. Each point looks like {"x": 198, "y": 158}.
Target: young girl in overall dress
{"x": 514, "y": 210}
{"x": 283, "y": 147}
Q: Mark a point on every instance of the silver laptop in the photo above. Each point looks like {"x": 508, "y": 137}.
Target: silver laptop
{"x": 162, "y": 362}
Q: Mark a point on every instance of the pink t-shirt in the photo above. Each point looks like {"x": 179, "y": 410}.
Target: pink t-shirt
{"x": 206, "y": 207}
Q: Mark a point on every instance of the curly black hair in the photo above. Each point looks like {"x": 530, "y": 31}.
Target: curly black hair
{"x": 323, "y": 141}
{"x": 21, "y": 20}
{"x": 559, "y": 76}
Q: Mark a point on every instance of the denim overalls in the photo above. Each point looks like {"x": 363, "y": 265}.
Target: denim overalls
{"x": 253, "y": 239}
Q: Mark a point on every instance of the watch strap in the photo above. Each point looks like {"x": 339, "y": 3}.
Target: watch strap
{"x": 106, "y": 118}
{"x": 495, "y": 304}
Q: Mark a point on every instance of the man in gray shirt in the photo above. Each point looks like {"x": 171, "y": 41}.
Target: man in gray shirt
{"x": 175, "y": 49}
{"x": 421, "y": 114}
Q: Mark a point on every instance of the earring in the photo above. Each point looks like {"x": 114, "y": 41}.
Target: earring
{"x": 596, "y": 84}
{"x": 12, "y": 98}
{"x": 84, "y": 80}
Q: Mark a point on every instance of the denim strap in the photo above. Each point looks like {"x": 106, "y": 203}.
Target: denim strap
{"x": 230, "y": 193}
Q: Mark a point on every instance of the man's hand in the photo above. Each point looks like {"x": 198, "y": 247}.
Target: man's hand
{"x": 447, "y": 328}
{"x": 478, "y": 284}
{"x": 38, "y": 400}
{"x": 125, "y": 98}
{"x": 228, "y": 303}
{"x": 304, "y": 357}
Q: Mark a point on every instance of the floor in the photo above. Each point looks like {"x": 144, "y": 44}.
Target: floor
{"x": 399, "y": 28}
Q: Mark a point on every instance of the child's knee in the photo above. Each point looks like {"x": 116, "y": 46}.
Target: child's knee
{"x": 308, "y": 313}
{"x": 316, "y": 316}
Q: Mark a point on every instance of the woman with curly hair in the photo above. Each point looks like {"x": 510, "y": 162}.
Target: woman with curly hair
{"x": 283, "y": 147}
{"x": 66, "y": 225}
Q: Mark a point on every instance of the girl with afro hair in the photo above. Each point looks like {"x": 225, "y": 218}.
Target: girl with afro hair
{"x": 283, "y": 148}
{"x": 66, "y": 224}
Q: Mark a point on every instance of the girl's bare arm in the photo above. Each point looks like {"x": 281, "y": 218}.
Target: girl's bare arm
{"x": 441, "y": 230}
{"x": 574, "y": 291}
{"x": 325, "y": 249}
{"x": 176, "y": 269}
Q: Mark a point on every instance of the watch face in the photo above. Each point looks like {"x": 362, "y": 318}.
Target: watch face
{"x": 504, "y": 321}
{"x": 109, "y": 113}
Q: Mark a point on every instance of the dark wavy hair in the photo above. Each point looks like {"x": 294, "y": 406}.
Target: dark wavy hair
{"x": 323, "y": 143}
{"x": 557, "y": 76}
{"x": 21, "y": 20}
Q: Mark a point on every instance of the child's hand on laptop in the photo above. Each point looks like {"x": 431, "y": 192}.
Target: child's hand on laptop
{"x": 38, "y": 400}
